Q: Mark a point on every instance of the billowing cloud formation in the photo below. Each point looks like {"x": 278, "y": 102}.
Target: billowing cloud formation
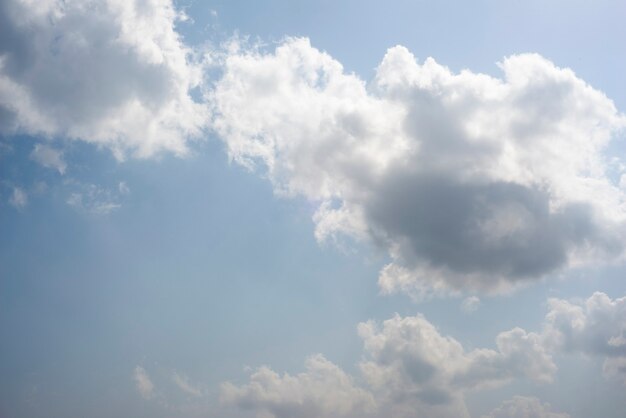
{"x": 409, "y": 360}
{"x": 111, "y": 72}
{"x": 409, "y": 367}
{"x": 468, "y": 181}
{"x": 323, "y": 390}
{"x": 524, "y": 407}
{"x": 595, "y": 327}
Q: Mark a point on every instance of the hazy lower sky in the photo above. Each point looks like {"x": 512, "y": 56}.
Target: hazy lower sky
{"x": 285, "y": 209}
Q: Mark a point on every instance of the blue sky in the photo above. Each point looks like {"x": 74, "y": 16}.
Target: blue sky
{"x": 283, "y": 209}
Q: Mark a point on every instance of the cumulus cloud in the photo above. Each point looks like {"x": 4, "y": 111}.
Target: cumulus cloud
{"x": 409, "y": 360}
{"x": 143, "y": 383}
{"x": 322, "y": 390}
{"x": 524, "y": 407}
{"x": 49, "y": 157}
{"x": 470, "y": 182}
{"x": 594, "y": 327}
{"x": 409, "y": 369}
{"x": 111, "y": 72}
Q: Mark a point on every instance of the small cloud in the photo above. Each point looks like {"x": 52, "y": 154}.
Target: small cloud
{"x": 96, "y": 200}
{"x": 185, "y": 385}
{"x": 49, "y": 157}
{"x": 213, "y": 13}
{"x": 143, "y": 382}
{"x": 19, "y": 198}
{"x": 470, "y": 304}
{"x": 123, "y": 188}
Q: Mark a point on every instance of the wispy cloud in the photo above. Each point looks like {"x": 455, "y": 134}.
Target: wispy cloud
{"x": 96, "y": 200}
{"x": 470, "y": 304}
{"x": 143, "y": 383}
{"x": 19, "y": 198}
{"x": 185, "y": 385}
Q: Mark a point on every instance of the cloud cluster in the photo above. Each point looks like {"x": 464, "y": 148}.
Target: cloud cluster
{"x": 410, "y": 369}
{"x": 470, "y": 182}
{"x": 111, "y": 72}
{"x": 594, "y": 327}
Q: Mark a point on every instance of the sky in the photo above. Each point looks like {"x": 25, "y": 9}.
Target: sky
{"x": 282, "y": 209}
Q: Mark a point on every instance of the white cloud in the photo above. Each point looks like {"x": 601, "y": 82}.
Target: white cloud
{"x": 595, "y": 327}
{"x": 185, "y": 385}
{"x": 143, "y": 383}
{"x": 410, "y": 369}
{"x": 324, "y": 390}
{"x": 470, "y": 304}
{"x": 19, "y": 198}
{"x": 524, "y": 407}
{"x": 49, "y": 157}
{"x": 408, "y": 359}
{"x": 470, "y": 182}
{"x": 111, "y": 72}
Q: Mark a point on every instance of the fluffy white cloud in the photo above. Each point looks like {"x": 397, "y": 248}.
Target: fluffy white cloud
{"x": 49, "y": 157}
{"x": 408, "y": 359}
{"x": 111, "y": 72}
{"x": 595, "y": 327}
{"x": 409, "y": 368}
{"x": 143, "y": 383}
{"x": 524, "y": 407}
{"x": 324, "y": 390}
{"x": 469, "y": 181}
